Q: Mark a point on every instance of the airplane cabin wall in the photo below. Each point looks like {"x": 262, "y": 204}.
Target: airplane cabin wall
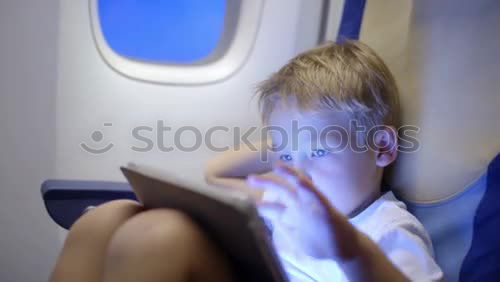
{"x": 90, "y": 94}
{"x": 28, "y": 79}
{"x": 56, "y": 90}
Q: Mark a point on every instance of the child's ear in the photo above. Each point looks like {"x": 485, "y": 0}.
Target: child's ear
{"x": 384, "y": 142}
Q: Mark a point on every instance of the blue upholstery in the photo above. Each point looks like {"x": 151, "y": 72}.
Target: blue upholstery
{"x": 350, "y": 23}
{"x": 483, "y": 260}
{"x": 463, "y": 228}
{"x": 450, "y": 225}
{"x": 65, "y": 200}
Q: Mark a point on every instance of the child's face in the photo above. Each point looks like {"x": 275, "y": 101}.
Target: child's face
{"x": 349, "y": 179}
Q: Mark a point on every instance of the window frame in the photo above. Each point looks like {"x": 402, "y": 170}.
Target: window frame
{"x": 230, "y": 56}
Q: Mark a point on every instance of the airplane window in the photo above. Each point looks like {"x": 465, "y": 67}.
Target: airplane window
{"x": 168, "y": 31}
{"x": 178, "y": 42}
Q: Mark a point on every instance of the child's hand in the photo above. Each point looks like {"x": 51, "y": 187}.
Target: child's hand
{"x": 302, "y": 209}
{"x": 283, "y": 190}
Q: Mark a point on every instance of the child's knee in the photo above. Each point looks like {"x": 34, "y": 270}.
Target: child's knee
{"x": 167, "y": 241}
{"x": 103, "y": 220}
{"x": 156, "y": 232}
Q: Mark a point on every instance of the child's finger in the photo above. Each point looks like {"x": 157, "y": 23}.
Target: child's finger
{"x": 271, "y": 182}
{"x": 288, "y": 172}
{"x": 285, "y": 168}
{"x": 298, "y": 177}
{"x": 305, "y": 186}
{"x": 275, "y": 190}
{"x": 286, "y": 176}
{"x": 269, "y": 205}
{"x": 292, "y": 174}
{"x": 304, "y": 195}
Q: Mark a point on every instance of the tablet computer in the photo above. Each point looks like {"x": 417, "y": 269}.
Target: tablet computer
{"x": 229, "y": 217}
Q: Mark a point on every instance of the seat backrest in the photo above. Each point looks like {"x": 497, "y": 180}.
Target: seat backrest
{"x": 445, "y": 57}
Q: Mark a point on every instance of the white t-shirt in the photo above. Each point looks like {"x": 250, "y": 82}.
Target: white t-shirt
{"x": 387, "y": 222}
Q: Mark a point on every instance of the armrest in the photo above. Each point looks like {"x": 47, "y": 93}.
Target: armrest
{"x": 66, "y": 200}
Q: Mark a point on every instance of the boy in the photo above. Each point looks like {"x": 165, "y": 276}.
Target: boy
{"x": 317, "y": 184}
{"x": 326, "y": 91}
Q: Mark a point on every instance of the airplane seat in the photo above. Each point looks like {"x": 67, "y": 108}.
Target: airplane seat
{"x": 444, "y": 55}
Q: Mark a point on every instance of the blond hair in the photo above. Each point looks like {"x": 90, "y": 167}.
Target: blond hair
{"x": 347, "y": 76}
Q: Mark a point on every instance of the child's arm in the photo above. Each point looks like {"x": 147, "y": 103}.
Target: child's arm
{"x": 230, "y": 169}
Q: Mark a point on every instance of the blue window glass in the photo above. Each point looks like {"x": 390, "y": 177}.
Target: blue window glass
{"x": 168, "y": 31}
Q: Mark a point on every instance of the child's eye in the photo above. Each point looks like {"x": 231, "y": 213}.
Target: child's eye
{"x": 286, "y": 158}
{"x": 318, "y": 153}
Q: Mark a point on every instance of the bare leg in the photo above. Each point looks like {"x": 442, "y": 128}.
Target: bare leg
{"x": 163, "y": 245}
{"x": 84, "y": 252}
